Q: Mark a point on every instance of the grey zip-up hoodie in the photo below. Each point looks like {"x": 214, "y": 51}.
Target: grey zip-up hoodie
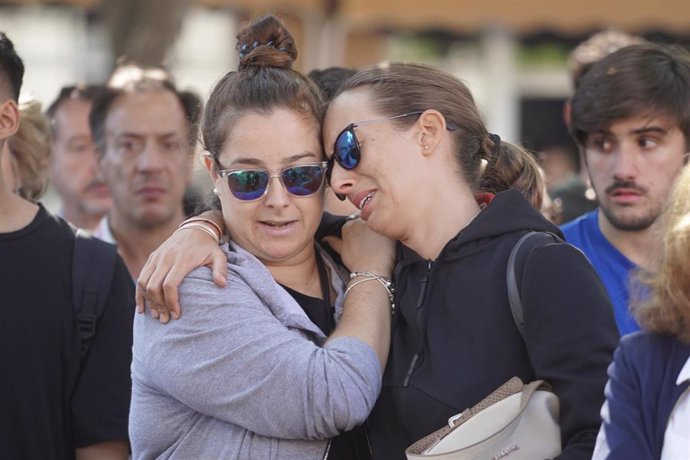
{"x": 244, "y": 373}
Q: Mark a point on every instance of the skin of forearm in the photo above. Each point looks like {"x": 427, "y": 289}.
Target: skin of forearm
{"x": 366, "y": 313}
{"x": 108, "y": 450}
{"x": 367, "y": 317}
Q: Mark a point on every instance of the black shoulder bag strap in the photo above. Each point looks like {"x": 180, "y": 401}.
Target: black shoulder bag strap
{"x": 513, "y": 291}
{"x": 93, "y": 265}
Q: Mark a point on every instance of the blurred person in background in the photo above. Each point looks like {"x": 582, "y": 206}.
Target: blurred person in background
{"x": 565, "y": 186}
{"x": 56, "y": 402}
{"x": 593, "y": 50}
{"x": 558, "y": 165}
{"x": 330, "y": 79}
{"x": 647, "y": 409}
{"x": 145, "y": 132}
{"x": 74, "y": 173}
{"x": 630, "y": 116}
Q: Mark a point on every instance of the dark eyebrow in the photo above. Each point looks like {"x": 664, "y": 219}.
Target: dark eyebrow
{"x": 299, "y": 156}
{"x": 643, "y": 130}
{"x": 650, "y": 129}
{"x": 134, "y": 135}
{"x": 250, "y": 161}
{"x": 247, "y": 161}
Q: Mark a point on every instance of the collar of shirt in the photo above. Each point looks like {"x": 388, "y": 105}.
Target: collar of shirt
{"x": 103, "y": 231}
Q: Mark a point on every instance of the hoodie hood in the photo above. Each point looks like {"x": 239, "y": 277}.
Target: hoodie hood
{"x": 508, "y": 212}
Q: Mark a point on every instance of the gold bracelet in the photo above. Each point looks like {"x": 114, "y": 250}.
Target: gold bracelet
{"x": 200, "y": 227}
{"x": 205, "y": 220}
{"x": 200, "y": 224}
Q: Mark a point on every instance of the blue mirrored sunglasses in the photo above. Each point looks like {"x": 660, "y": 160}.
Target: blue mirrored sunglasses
{"x": 346, "y": 150}
{"x": 252, "y": 184}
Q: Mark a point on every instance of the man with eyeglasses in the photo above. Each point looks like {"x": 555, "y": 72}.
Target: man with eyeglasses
{"x": 85, "y": 198}
{"x": 143, "y": 127}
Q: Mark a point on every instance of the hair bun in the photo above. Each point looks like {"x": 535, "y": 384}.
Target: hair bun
{"x": 266, "y": 43}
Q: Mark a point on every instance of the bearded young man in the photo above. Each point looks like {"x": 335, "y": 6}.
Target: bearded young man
{"x": 631, "y": 119}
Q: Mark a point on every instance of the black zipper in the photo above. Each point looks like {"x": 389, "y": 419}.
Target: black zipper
{"x": 420, "y": 301}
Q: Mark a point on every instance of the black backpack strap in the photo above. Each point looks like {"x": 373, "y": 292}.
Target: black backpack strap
{"x": 93, "y": 265}
{"x": 511, "y": 278}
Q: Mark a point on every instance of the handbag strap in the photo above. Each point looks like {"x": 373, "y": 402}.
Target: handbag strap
{"x": 514, "y": 297}
{"x": 511, "y": 387}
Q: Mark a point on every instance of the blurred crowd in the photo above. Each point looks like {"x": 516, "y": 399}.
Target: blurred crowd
{"x": 402, "y": 148}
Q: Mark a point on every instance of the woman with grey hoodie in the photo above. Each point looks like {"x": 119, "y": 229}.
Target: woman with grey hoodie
{"x": 258, "y": 368}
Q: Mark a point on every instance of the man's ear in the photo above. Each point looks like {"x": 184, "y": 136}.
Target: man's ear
{"x": 9, "y": 119}
{"x": 432, "y": 128}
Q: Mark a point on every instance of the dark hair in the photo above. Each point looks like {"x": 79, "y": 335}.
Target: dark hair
{"x": 80, "y": 92}
{"x": 638, "y": 80}
{"x": 264, "y": 81}
{"x": 403, "y": 88}
{"x": 129, "y": 78}
{"x": 330, "y": 79}
{"x": 11, "y": 66}
{"x": 595, "y": 48}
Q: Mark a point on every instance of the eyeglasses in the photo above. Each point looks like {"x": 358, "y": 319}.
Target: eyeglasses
{"x": 252, "y": 184}
{"x": 346, "y": 150}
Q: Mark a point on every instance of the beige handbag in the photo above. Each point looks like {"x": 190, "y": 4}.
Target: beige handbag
{"x": 515, "y": 422}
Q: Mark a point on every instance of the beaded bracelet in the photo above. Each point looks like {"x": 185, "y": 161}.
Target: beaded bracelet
{"x": 369, "y": 276}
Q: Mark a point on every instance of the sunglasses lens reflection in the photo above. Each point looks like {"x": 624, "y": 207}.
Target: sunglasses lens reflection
{"x": 303, "y": 180}
{"x": 248, "y": 185}
{"x": 346, "y": 149}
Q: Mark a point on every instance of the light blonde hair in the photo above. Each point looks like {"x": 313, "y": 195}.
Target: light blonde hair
{"x": 666, "y": 309}
{"x": 30, "y": 149}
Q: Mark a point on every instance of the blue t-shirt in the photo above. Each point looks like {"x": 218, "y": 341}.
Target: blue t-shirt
{"x": 610, "y": 264}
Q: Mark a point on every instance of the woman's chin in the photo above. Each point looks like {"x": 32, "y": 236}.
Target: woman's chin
{"x": 280, "y": 253}
{"x": 379, "y": 226}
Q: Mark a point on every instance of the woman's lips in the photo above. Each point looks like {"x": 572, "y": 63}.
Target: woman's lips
{"x": 277, "y": 228}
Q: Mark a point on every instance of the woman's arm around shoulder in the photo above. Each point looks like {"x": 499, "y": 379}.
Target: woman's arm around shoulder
{"x": 230, "y": 358}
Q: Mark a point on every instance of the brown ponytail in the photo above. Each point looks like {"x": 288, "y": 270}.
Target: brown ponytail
{"x": 509, "y": 166}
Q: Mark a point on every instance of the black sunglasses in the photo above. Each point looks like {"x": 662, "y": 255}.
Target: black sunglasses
{"x": 346, "y": 151}
{"x": 252, "y": 184}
